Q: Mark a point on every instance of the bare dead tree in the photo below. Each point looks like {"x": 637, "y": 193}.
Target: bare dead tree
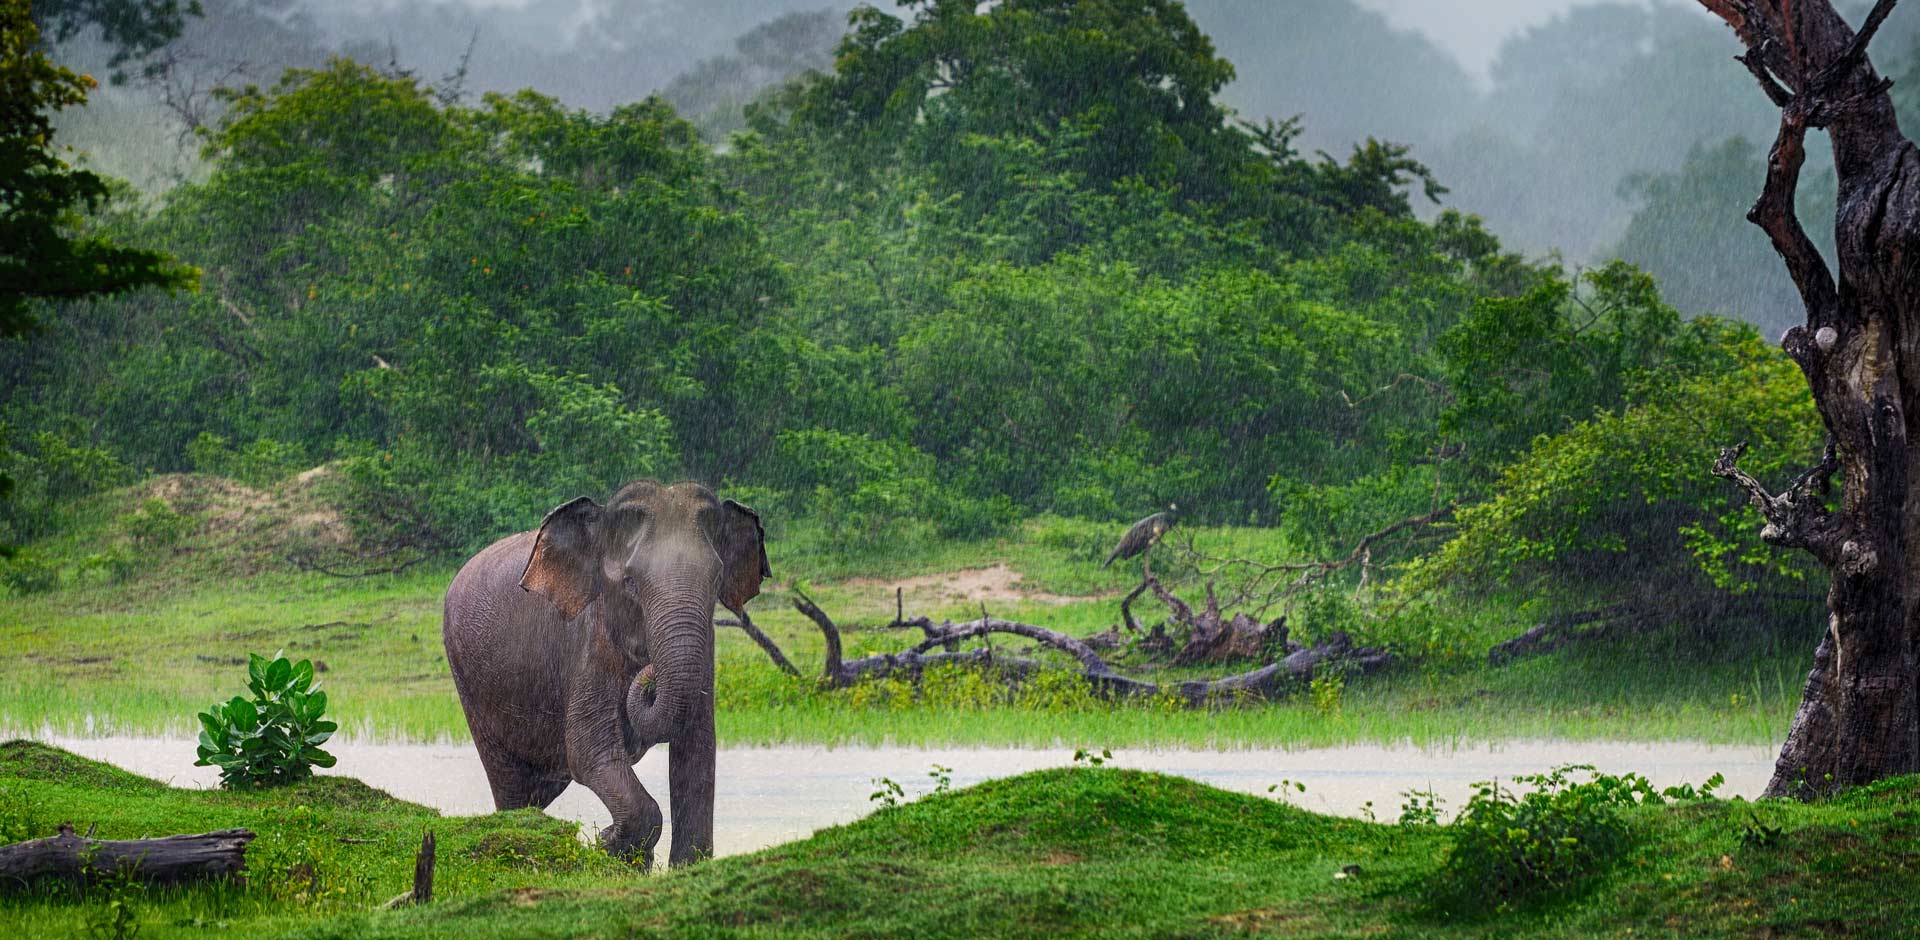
{"x": 1273, "y": 680}
{"x": 186, "y": 79}
{"x": 765, "y": 642}
{"x": 1860, "y": 352}
{"x": 452, "y": 87}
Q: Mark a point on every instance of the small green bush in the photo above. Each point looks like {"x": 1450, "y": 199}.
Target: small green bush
{"x": 261, "y": 463}
{"x": 156, "y": 524}
{"x": 1510, "y": 848}
{"x": 299, "y": 862}
{"x": 1327, "y": 690}
{"x": 115, "y": 565}
{"x": 956, "y": 688}
{"x": 25, "y": 573}
{"x": 273, "y": 739}
{"x": 22, "y": 816}
{"x": 1056, "y": 692}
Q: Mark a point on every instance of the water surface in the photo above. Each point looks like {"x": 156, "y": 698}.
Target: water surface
{"x": 770, "y": 795}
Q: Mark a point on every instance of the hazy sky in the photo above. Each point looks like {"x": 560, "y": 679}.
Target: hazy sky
{"x": 1472, "y": 30}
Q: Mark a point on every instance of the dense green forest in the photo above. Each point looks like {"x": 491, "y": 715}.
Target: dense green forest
{"x": 995, "y": 263}
{"x": 1551, "y": 132}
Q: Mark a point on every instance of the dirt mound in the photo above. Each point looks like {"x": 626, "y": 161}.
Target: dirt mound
{"x": 244, "y": 528}
{"x": 997, "y": 583}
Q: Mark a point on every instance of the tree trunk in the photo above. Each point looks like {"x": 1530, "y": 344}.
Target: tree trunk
{"x": 170, "y": 860}
{"x": 1860, "y": 352}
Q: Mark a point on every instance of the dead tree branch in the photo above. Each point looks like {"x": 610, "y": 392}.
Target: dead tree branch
{"x": 1796, "y": 517}
{"x": 765, "y": 642}
{"x": 169, "y": 860}
{"x": 1271, "y": 681}
{"x": 1126, "y": 606}
{"x": 1556, "y": 632}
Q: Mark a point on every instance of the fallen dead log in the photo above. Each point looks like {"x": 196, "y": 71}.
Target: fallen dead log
{"x": 1556, "y": 632}
{"x": 1642, "y": 615}
{"x": 167, "y": 860}
{"x": 1271, "y": 681}
{"x": 1212, "y": 638}
{"x": 839, "y": 673}
{"x": 1296, "y": 670}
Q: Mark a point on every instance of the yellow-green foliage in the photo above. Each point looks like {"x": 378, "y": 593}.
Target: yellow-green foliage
{"x": 1627, "y": 495}
{"x": 958, "y": 687}
{"x": 1056, "y": 690}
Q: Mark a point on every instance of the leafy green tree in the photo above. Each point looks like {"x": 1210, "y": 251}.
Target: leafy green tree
{"x": 132, "y": 28}
{"x": 1618, "y": 508}
{"x": 46, "y": 253}
{"x": 1520, "y": 367}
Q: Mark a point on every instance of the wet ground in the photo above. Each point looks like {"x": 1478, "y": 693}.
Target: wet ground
{"x": 772, "y": 795}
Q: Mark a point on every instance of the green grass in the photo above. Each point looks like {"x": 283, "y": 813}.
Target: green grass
{"x": 325, "y": 845}
{"x": 1078, "y": 852}
{"x": 140, "y": 656}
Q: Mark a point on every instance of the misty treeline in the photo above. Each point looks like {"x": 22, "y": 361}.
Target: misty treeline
{"x": 1575, "y": 142}
{"x": 996, "y": 263}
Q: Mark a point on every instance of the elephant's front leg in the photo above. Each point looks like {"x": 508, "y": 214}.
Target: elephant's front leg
{"x": 690, "y": 770}
{"x": 690, "y": 760}
{"x": 598, "y": 757}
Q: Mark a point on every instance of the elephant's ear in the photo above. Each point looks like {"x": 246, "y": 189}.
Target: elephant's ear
{"x": 565, "y": 565}
{"x": 743, "y": 547}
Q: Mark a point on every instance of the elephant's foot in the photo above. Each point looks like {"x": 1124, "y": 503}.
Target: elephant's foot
{"x": 630, "y": 844}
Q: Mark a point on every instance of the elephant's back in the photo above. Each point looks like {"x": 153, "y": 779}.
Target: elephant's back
{"x": 485, "y": 585}
{"x": 501, "y": 637}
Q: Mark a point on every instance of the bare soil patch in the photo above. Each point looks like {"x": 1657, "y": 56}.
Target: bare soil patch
{"x": 997, "y": 583}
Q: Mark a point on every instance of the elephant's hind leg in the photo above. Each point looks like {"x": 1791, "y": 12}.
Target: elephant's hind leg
{"x": 515, "y": 783}
{"x": 549, "y": 790}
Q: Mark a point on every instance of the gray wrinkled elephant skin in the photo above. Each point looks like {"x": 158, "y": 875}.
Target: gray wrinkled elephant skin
{"x": 577, "y": 647}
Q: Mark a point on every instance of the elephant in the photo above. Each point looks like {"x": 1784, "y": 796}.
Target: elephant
{"x": 578, "y": 646}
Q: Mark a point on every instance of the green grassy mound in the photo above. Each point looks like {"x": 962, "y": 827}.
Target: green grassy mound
{"x": 1069, "y": 852}
{"x": 327, "y": 845}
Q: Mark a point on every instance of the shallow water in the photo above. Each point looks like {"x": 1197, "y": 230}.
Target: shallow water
{"x": 770, "y": 795}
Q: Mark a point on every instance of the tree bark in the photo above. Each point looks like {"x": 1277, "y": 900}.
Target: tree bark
{"x": 170, "y": 860}
{"x": 1860, "y": 352}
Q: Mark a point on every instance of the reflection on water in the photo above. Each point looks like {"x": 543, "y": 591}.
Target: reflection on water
{"x": 769, "y": 795}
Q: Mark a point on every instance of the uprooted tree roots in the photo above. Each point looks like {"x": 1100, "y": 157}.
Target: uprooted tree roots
{"x": 1211, "y": 637}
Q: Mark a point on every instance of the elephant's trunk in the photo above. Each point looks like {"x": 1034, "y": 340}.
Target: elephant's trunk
{"x": 680, "y": 645}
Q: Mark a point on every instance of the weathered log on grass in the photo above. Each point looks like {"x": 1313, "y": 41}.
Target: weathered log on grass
{"x": 1299, "y": 667}
{"x": 168, "y": 860}
{"x": 1272, "y": 681}
{"x": 1556, "y": 632}
{"x": 839, "y": 673}
{"x": 1643, "y": 615}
